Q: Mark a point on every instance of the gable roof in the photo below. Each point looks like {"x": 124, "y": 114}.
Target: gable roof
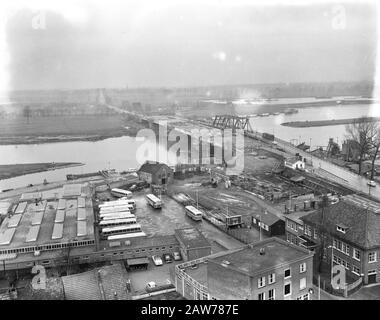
{"x": 268, "y": 218}
{"x": 361, "y": 217}
{"x": 151, "y": 167}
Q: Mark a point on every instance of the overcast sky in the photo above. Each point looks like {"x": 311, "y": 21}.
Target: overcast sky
{"x": 169, "y": 44}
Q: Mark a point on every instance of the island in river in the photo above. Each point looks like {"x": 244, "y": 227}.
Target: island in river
{"x": 323, "y": 123}
{"x": 14, "y": 170}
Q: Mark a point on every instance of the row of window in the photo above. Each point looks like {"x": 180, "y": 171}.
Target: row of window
{"x": 272, "y": 277}
{"x": 310, "y": 232}
{"x": 261, "y": 224}
{"x": 292, "y": 225}
{"x": 271, "y": 295}
{"x": 47, "y": 247}
{"x": 346, "y": 264}
{"x": 356, "y": 254}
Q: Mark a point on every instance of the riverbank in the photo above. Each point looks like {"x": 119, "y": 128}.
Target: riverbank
{"x": 14, "y": 170}
{"x": 20, "y": 130}
{"x": 323, "y": 123}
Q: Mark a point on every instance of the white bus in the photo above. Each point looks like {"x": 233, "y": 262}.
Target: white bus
{"x": 125, "y": 207}
{"x": 116, "y": 222}
{"x": 116, "y": 215}
{"x": 109, "y": 231}
{"x": 126, "y": 235}
{"x": 154, "y": 201}
{"x": 119, "y": 202}
{"x": 194, "y": 213}
{"x": 121, "y": 193}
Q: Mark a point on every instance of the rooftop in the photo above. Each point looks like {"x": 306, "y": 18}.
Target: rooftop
{"x": 268, "y": 218}
{"x": 191, "y": 238}
{"x": 248, "y": 259}
{"x": 42, "y": 223}
{"x": 361, "y": 217}
{"x": 295, "y": 216}
{"x": 105, "y": 283}
{"x": 151, "y": 167}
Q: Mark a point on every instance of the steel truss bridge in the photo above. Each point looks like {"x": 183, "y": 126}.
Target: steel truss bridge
{"x": 232, "y": 122}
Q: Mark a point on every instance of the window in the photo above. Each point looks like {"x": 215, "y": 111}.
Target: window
{"x": 302, "y": 283}
{"x": 303, "y": 297}
{"x": 307, "y": 230}
{"x": 356, "y": 270}
{"x": 287, "y": 273}
{"x": 356, "y": 254}
{"x": 271, "y": 294}
{"x": 302, "y": 267}
{"x": 261, "y": 296}
{"x": 372, "y": 257}
{"x": 272, "y": 278}
{"x": 341, "y": 229}
{"x": 287, "y": 289}
{"x": 288, "y": 237}
{"x": 261, "y": 282}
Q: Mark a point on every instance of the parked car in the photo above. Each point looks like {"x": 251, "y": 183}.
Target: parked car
{"x": 167, "y": 258}
{"x": 157, "y": 260}
{"x": 177, "y": 256}
{"x": 371, "y": 183}
{"x": 150, "y": 285}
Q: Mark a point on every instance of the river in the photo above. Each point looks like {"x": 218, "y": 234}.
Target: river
{"x": 120, "y": 153}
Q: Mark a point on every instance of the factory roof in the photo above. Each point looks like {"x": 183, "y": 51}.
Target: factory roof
{"x": 274, "y": 253}
{"x": 43, "y": 223}
{"x": 191, "y": 238}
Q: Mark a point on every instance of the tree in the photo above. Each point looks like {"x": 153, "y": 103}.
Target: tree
{"x": 375, "y": 144}
{"x": 363, "y": 133}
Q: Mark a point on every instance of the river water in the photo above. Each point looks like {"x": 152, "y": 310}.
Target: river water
{"x": 120, "y": 153}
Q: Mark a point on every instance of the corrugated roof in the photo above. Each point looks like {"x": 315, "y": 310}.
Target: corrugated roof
{"x": 7, "y": 235}
{"x": 57, "y": 231}
{"x": 59, "y": 216}
{"x": 14, "y": 220}
{"x": 82, "y": 214}
{"x": 81, "y": 228}
{"x": 33, "y": 233}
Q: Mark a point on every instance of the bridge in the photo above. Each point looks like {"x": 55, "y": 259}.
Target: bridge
{"x": 232, "y": 122}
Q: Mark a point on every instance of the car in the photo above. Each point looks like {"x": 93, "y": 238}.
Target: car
{"x": 177, "y": 256}
{"x": 167, "y": 257}
{"x": 151, "y": 285}
{"x": 157, "y": 261}
{"x": 371, "y": 183}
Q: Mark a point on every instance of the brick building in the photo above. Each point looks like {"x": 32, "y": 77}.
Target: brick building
{"x": 192, "y": 243}
{"x": 268, "y": 270}
{"x": 155, "y": 173}
{"x": 352, "y": 233}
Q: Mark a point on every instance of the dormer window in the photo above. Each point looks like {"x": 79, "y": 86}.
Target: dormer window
{"x": 341, "y": 229}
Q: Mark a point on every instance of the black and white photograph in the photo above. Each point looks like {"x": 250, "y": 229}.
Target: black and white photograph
{"x": 196, "y": 153}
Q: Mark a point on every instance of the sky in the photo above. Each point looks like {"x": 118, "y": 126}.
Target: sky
{"x": 92, "y": 44}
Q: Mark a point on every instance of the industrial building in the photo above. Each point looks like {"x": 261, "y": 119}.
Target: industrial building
{"x": 272, "y": 269}
{"x": 193, "y": 244}
{"x": 155, "y": 173}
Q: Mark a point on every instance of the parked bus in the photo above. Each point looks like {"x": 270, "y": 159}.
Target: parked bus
{"x": 116, "y": 215}
{"x": 121, "y": 193}
{"x": 119, "y": 202}
{"x": 155, "y": 202}
{"x": 194, "y": 213}
{"x": 116, "y": 222}
{"x": 125, "y": 207}
{"x": 109, "y": 231}
{"x": 126, "y": 235}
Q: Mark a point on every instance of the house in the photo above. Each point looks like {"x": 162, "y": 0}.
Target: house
{"x": 193, "y": 244}
{"x": 352, "y": 233}
{"x": 270, "y": 224}
{"x": 294, "y": 230}
{"x": 295, "y": 163}
{"x": 272, "y": 269}
{"x": 155, "y": 173}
